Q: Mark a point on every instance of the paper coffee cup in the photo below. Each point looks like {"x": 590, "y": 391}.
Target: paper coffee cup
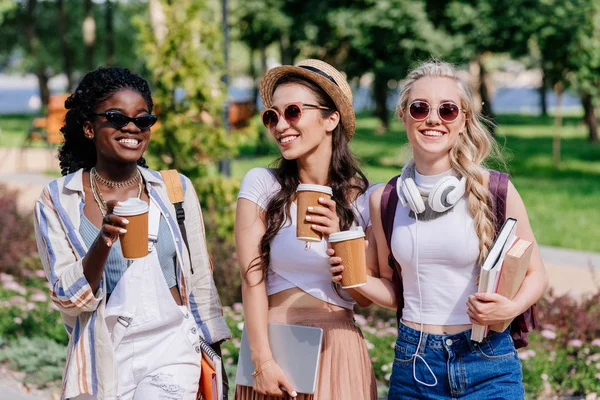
{"x": 350, "y": 247}
{"x": 134, "y": 243}
{"x": 308, "y": 196}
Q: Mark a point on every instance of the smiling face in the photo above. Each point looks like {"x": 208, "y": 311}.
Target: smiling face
{"x": 119, "y": 145}
{"x": 309, "y": 134}
{"x": 433, "y": 138}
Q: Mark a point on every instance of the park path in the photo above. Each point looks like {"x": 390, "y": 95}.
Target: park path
{"x": 571, "y": 271}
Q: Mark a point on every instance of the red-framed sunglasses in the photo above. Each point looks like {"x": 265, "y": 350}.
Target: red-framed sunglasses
{"x": 448, "y": 111}
{"x": 292, "y": 112}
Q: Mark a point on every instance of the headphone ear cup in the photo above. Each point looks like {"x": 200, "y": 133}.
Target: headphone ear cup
{"x": 413, "y": 196}
{"x": 438, "y": 197}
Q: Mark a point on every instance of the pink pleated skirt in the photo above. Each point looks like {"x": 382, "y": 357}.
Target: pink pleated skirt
{"x": 345, "y": 372}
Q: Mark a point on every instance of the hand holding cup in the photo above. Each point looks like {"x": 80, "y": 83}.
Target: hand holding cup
{"x": 134, "y": 240}
{"x": 349, "y": 249}
{"x": 316, "y": 213}
{"x": 112, "y": 225}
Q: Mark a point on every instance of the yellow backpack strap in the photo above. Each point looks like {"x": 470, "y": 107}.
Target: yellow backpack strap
{"x": 174, "y": 187}
{"x": 176, "y": 195}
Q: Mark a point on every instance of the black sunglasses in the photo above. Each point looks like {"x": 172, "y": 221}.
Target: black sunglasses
{"x": 119, "y": 120}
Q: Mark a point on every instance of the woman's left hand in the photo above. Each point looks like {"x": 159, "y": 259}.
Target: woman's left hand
{"x": 490, "y": 308}
{"x": 324, "y": 218}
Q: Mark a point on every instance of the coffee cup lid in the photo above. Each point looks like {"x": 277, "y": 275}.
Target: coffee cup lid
{"x": 307, "y": 187}
{"x": 346, "y": 235}
{"x": 131, "y": 206}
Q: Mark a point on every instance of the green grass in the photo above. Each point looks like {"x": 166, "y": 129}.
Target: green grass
{"x": 563, "y": 203}
{"x": 14, "y": 129}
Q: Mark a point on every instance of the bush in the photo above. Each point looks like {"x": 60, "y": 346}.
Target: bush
{"x": 43, "y": 360}
{"x": 17, "y": 237}
{"x": 26, "y": 309}
{"x": 563, "y": 358}
{"x": 218, "y": 197}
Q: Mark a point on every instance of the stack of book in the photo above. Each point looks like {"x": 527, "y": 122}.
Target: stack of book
{"x": 503, "y": 271}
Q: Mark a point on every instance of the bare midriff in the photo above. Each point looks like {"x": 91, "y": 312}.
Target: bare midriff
{"x": 297, "y": 298}
{"x": 437, "y": 329}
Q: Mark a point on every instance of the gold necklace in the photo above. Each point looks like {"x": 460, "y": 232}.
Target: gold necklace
{"x": 116, "y": 184}
{"x": 98, "y": 194}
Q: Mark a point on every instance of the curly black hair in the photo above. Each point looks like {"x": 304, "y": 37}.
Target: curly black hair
{"x": 95, "y": 87}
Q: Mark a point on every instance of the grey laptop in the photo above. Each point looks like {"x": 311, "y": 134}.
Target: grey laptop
{"x": 297, "y": 350}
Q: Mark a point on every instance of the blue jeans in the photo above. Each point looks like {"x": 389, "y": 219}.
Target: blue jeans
{"x": 464, "y": 369}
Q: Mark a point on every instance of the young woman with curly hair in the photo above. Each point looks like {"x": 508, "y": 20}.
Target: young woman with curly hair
{"x": 133, "y": 327}
{"x": 442, "y": 230}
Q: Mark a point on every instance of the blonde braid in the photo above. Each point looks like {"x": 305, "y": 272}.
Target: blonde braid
{"x": 474, "y": 145}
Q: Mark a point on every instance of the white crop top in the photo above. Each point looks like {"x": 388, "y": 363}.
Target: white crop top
{"x": 448, "y": 252}
{"x": 292, "y": 265}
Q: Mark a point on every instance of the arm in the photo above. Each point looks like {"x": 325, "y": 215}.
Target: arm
{"x": 488, "y": 309}
{"x": 75, "y": 284}
{"x": 205, "y": 304}
{"x": 250, "y": 227}
{"x": 379, "y": 288}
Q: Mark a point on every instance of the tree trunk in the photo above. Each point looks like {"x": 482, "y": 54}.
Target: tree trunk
{"x": 110, "y": 32}
{"x": 89, "y": 35}
{"x": 543, "y": 102}
{"x": 380, "y": 94}
{"x": 43, "y": 79}
{"x": 66, "y": 50}
{"x": 589, "y": 117}
{"x": 486, "y": 101}
{"x": 287, "y": 50}
{"x": 158, "y": 20}
{"x": 34, "y": 49}
{"x": 558, "y": 89}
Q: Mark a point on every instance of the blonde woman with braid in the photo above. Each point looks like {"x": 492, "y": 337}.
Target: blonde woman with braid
{"x": 440, "y": 232}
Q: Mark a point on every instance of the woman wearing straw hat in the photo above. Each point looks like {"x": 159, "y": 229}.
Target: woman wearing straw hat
{"x": 309, "y": 113}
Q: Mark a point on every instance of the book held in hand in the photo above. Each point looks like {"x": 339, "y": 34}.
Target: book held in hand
{"x": 490, "y": 269}
{"x": 512, "y": 274}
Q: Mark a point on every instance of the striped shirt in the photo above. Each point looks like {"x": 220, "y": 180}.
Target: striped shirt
{"x": 91, "y": 365}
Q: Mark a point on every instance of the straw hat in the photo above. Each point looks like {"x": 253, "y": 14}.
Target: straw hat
{"x": 325, "y": 76}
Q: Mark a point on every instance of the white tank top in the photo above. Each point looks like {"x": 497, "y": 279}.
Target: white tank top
{"x": 292, "y": 265}
{"x": 448, "y": 249}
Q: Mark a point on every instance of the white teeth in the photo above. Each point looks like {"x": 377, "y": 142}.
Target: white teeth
{"x": 287, "y": 139}
{"x": 129, "y": 141}
{"x": 432, "y": 133}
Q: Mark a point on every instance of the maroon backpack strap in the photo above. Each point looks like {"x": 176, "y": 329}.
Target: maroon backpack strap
{"x": 527, "y": 321}
{"x": 389, "y": 202}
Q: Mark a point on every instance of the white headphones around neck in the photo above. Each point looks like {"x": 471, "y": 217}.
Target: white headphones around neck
{"x": 444, "y": 195}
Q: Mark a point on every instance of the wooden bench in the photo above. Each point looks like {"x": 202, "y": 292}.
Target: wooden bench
{"x": 47, "y": 129}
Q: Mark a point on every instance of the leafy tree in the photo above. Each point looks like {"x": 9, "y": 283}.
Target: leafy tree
{"x": 570, "y": 54}
{"x": 5, "y": 6}
{"x": 182, "y": 49}
{"x": 183, "y": 55}
{"x": 45, "y": 38}
{"x": 385, "y": 38}
{"x": 478, "y": 28}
